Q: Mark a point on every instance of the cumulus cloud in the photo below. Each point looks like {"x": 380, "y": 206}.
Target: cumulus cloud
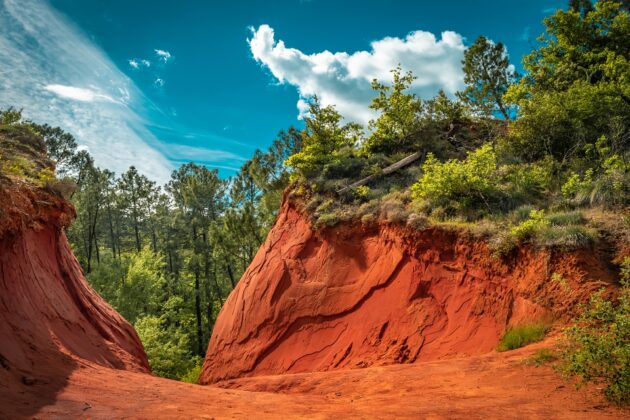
{"x": 344, "y": 79}
{"x": 159, "y": 82}
{"x": 134, "y": 64}
{"x": 163, "y": 55}
{"x": 146, "y": 63}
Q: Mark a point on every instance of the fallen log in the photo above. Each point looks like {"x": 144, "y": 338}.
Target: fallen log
{"x": 388, "y": 170}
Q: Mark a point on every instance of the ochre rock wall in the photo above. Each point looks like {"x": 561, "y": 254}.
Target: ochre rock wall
{"x": 51, "y": 321}
{"x": 355, "y": 296}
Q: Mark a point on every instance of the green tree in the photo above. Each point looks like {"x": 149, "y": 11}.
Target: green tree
{"x": 323, "y": 140}
{"x": 198, "y": 193}
{"x": 60, "y": 145}
{"x": 137, "y": 193}
{"x": 399, "y": 111}
{"x": 581, "y": 6}
{"x": 577, "y": 86}
{"x": 488, "y": 75}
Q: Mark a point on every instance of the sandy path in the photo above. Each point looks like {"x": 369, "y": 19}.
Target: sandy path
{"x": 490, "y": 386}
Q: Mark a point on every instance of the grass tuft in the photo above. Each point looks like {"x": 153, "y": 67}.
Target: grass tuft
{"x": 522, "y": 335}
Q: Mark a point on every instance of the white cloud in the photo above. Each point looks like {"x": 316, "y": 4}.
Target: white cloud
{"x": 146, "y": 63}
{"x": 344, "y": 79}
{"x": 78, "y": 94}
{"x": 134, "y": 64}
{"x": 159, "y": 82}
{"x": 200, "y": 154}
{"x": 163, "y": 55}
{"x": 61, "y": 78}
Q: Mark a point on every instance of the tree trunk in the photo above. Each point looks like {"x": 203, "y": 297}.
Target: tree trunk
{"x": 198, "y": 312}
{"x": 228, "y": 268}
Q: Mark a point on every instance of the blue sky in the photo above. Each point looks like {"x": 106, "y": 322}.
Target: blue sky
{"x": 158, "y": 83}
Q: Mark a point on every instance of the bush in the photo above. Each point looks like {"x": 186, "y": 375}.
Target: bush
{"x": 530, "y": 227}
{"x": 458, "y": 184}
{"x": 523, "y": 335}
{"x": 192, "y": 376}
{"x": 597, "y": 347}
{"x": 167, "y": 349}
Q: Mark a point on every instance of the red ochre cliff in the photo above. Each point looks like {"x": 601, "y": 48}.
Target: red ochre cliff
{"x": 358, "y": 296}
{"x": 51, "y": 321}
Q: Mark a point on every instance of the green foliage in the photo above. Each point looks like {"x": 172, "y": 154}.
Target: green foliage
{"x": 458, "y": 184}
{"x": 10, "y": 116}
{"x": 398, "y": 114}
{"x": 522, "y": 335}
{"x": 535, "y": 224}
{"x": 562, "y": 230}
{"x": 192, "y": 376}
{"x": 167, "y": 349}
{"x": 143, "y": 285}
{"x": 487, "y": 74}
{"x": 597, "y": 347}
{"x": 323, "y": 142}
{"x": 577, "y": 85}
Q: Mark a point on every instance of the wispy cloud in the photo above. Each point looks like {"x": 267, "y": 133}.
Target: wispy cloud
{"x": 344, "y": 79}
{"x": 549, "y": 10}
{"x": 60, "y": 77}
{"x": 79, "y": 94}
{"x": 525, "y": 35}
{"x": 163, "y": 55}
{"x": 133, "y": 63}
{"x": 159, "y": 82}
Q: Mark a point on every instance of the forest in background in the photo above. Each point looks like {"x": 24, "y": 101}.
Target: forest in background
{"x": 541, "y": 159}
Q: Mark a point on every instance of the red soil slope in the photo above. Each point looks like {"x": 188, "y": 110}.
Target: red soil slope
{"x": 358, "y": 296}
{"x": 51, "y": 321}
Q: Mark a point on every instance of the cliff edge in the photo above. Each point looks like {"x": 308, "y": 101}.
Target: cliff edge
{"x": 354, "y": 296}
{"x": 51, "y": 321}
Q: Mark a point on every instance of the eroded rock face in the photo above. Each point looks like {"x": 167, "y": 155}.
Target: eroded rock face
{"x": 51, "y": 321}
{"x": 355, "y": 296}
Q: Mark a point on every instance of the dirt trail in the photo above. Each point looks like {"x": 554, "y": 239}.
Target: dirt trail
{"x": 496, "y": 385}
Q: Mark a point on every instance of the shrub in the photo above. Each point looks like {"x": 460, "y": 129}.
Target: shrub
{"x": 530, "y": 227}
{"x": 597, "y": 347}
{"x": 459, "y": 184}
{"x": 167, "y": 350}
{"x": 362, "y": 192}
{"x": 393, "y": 208}
{"x": 192, "y": 376}
{"x": 523, "y": 335}
{"x": 528, "y": 181}
{"x": 576, "y": 184}
{"x": 65, "y": 188}
{"x": 417, "y": 221}
{"x": 521, "y": 213}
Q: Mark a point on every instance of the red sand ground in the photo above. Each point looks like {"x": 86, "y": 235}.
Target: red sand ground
{"x": 496, "y": 385}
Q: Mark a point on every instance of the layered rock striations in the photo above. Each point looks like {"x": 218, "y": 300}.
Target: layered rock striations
{"x": 357, "y": 296}
{"x": 51, "y": 321}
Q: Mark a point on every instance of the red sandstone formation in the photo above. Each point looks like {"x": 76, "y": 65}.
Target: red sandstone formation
{"x": 356, "y": 296}
{"x": 51, "y": 321}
